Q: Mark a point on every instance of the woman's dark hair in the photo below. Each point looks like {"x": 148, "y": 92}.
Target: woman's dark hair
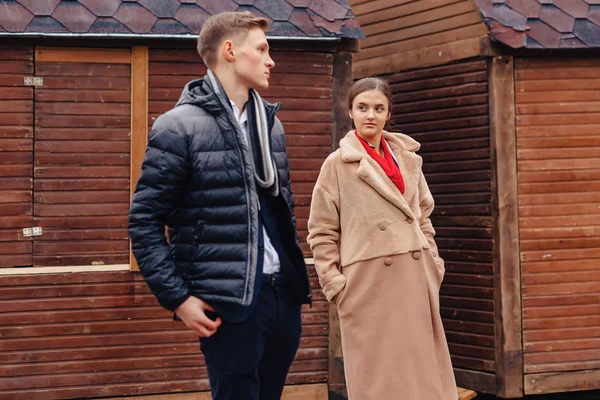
{"x": 366, "y": 84}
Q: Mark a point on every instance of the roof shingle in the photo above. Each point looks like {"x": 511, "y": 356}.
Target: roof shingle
{"x": 543, "y": 23}
{"x": 293, "y": 18}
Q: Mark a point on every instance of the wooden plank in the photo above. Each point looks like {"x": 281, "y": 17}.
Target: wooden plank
{"x": 85, "y": 197}
{"x": 82, "y": 55}
{"x": 139, "y": 118}
{"x": 427, "y": 11}
{"x": 82, "y": 159}
{"x": 84, "y": 68}
{"x": 562, "y": 381}
{"x": 16, "y": 132}
{"x": 82, "y": 121}
{"x": 81, "y": 172}
{"x": 421, "y": 27}
{"x": 79, "y": 134}
{"x": 90, "y": 96}
{"x": 317, "y": 391}
{"x": 87, "y": 83}
{"x": 509, "y": 347}
{"x": 68, "y": 210}
{"x": 82, "y": 146}
{"x": 79, "y": 108}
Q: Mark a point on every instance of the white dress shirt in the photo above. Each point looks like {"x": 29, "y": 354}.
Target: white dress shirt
{"x": 271, "y": 263}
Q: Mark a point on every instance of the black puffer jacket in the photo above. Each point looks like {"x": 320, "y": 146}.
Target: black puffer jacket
{"x": 197, "y": 178}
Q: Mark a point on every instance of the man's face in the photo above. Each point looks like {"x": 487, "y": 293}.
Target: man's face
{"x": 252, "y": 60}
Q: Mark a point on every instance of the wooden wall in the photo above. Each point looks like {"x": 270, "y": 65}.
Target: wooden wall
{"x": 100, "y": 334}
{"x": 16, "y": 155}
{"x": 446, "y": 109}
{"x": 558, "y": 141}
{"x": 395, "y": 28}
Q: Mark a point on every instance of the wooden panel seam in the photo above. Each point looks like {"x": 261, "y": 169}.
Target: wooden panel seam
{"x": 507, "y": 277}
{"x": 83, "y": 55}
{"x": 139, "y": 120}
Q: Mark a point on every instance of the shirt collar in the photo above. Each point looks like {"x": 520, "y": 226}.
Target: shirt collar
{"x": 241, "y": 118}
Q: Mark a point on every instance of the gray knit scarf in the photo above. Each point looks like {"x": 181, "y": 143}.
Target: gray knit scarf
{"x": 270, "y": 181}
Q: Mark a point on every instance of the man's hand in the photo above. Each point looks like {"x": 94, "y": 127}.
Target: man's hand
{"x": 191, "y": 312}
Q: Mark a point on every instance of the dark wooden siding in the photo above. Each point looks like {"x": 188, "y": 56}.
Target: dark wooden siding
{"x": 102, "y": 334}
{"x": 16, "y": 156}
{"x": 446, "y": 109}
{"x": 558, "y": 142}
{"x": 81, "y": 174}
{"x": 302, "y": 82}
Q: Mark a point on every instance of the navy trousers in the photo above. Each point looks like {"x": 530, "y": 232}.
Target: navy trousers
{"x": 250, "y": 360}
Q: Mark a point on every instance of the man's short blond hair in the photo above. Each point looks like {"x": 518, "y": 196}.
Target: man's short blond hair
{"x": 223, "y": 26}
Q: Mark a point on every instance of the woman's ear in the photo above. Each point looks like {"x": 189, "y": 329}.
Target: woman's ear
{"x": 350, "y": 114}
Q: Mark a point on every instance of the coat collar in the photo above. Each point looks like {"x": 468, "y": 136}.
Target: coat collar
{"x": 369, "y": 171}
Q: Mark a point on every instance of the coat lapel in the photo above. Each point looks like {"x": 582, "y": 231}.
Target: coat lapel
{"x": 372, "y": 174}
{"x": 409, "y": 163}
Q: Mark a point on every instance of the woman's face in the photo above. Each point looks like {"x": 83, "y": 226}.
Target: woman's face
{"x": 370, "y": 111}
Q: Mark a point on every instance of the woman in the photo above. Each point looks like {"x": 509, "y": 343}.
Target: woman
{"x": 373, "y": 247}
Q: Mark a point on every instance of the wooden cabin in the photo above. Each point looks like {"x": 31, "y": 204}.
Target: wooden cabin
{"x": 81, "y": 83}
{"x": 505, "y": 98}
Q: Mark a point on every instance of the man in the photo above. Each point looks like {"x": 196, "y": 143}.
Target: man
{"x": 216, "y": 173}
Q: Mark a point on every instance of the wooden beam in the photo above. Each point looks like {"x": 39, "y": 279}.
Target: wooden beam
{"x": 293, "y": 392}
{"x": 507, "y": 267}
{"x": 83, "y": 55}
{"x": 139, "y": 119}
{"x": 424, "y": 57}
{"x": 558, "y": 382}
{"x": 341, "y": 124}
{"x": 342, "y": 81}
{"x": 479, "y": 381}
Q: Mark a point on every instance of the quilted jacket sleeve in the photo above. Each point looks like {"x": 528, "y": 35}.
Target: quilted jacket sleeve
{"x": 164, "y": 172}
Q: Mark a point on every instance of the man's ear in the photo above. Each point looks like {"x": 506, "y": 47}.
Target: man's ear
{"x": 227, "y": 50}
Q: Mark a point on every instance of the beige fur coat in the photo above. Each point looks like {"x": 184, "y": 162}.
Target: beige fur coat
{"x": 374, "y": 223}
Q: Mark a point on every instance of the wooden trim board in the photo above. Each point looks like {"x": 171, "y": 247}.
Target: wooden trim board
{"x": 139, "y": 120}
{"x": 507, "y": 267}
{"x": 63, "y": 270}
{"x": 82, "y": 55}
{"x": 293, "y": 392}
{"x": 423, "y": 57}
{"x": 557, "y": 382}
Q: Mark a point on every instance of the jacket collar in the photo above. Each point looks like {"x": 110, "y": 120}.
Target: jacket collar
{"x": 369, "y": 171}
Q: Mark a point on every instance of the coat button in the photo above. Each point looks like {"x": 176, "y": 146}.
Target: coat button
{"x": 388, "y": 261}
{"x": 416, "y": 255}
{"x": 383, "y": 226}
{"x": 409, "y": 221}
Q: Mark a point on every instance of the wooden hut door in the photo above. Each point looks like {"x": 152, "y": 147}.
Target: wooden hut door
{"x": 81, "y": 161}
{"x": 16, "y": 154}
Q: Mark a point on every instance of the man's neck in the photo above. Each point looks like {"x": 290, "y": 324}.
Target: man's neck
{"x": 234, "y": 89}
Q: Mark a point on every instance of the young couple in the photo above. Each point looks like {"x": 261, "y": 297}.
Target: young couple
{"x": 216, "y": 173}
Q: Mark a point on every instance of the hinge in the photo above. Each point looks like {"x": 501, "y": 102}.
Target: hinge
{"x": 33, "y": 81}
{"x": 35, "y": 231}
